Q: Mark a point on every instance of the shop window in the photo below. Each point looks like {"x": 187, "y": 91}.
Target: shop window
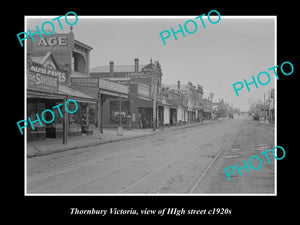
{"x": 115, "y": 112}
{"x": 92, "y": 115}
{"x": 34, "y": 108}
{"x": 74, "y": 121}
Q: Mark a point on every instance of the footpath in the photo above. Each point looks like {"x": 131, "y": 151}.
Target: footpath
{"x": 49, "y": 146}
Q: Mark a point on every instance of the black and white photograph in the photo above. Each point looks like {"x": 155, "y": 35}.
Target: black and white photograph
{"x": 150, "y": 105}
{"x": 128, "y": 111}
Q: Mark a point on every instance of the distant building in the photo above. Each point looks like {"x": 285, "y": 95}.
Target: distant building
{"x": 207, "y": 109}
{"x": 190, "y": 106}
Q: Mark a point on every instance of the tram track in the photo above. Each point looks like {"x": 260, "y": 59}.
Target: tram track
{"x": 85, "y": 164}
{"x": 153, "y": 167}
{"x": 131, "y": 154}
{"x": 141, "y": 162}
{"x": 221, "y": 148}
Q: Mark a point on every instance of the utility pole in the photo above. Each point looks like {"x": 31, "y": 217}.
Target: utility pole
{"x": 264, "y": 107}
{"x": 120, "y": 108}
{"x": 99, "y": 129}
{"x": 154, "y": 83}
{"x": 65, "y": 123}
{"x": 120, "y": 129}
{"x": 269, "y": 104}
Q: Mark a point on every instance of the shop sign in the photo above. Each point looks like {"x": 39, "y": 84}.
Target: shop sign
{"x": 272, "y": 93}
{"x": 53, "y": 43}
{"x": 140, "y": 74}
{"x": 112, "y": 86}
{"x": 143, "y": 90}
{"x": 60, "y": 41}
{"x": 84, "y": 82}
{"x": 98, "y": 83}
{"x": 133, "y": 118}
{"x": 42, "y": 81}
{"x": 61, "y": 75}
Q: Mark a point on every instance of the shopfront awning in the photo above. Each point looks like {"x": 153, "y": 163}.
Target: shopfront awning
{"x": 43, "y": 94}
{"x": 91, "y": 91}
{"x": 92, "y": 86}
{"x": 113, "y": 94}
{"x": 163, "y": 104}
{"x": 76, "y": 95}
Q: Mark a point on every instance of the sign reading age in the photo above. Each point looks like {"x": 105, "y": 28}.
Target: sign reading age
{"x": 53, "y": 41}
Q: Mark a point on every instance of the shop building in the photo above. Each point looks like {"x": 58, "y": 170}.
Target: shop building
{"x": 45, "y": 91}
{"x": 175, "y": 99}
{"x": 53, "y": 63}
{"x": 186, "y": 101}
{"x": 142, "y": 81}
{"x": 134, "y": 112}
{"x": 219, "y": 109}
{"x": 104, "y": 91}
{"x": 42, "y": 91}
{"x": 207, "y": 109}
{"x": 272, "y": 105}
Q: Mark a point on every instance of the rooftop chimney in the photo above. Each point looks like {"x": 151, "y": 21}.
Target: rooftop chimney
{"x": 111, "y": 68}
{"x": 178, "y": 85}
{"x": 136, "y": 65}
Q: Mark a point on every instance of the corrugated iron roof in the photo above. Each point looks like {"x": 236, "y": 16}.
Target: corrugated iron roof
{"x": 75, "y": 94}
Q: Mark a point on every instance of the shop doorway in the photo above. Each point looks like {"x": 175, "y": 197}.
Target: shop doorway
{"x": 51, "y": 130}
{"x": 145, "y": 117}
{"x": 160, "y": 116}
{"x": 173, "y": 116}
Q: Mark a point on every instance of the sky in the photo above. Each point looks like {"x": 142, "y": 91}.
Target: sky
{"x": 215, "y": 57}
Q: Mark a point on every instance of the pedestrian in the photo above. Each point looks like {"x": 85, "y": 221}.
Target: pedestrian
{"x": 141, "y": 121}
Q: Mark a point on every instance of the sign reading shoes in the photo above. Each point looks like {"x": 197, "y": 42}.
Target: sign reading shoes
{"x": 42, "y": 82}
{"x": 47, "y": 71}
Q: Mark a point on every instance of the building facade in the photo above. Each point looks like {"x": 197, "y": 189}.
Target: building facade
{"x": 58, "y": 70}
{"x": 186, "y": 101}
{"x": 144, "y": 83}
